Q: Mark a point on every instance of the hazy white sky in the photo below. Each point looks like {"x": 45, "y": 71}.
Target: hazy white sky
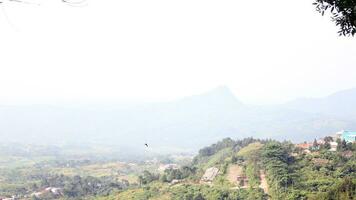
{"x": 120, "y": 50}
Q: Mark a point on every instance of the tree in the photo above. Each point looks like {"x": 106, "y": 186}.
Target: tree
{"x": 147, "y": 177}
{"x": 328, "y": 139}
{"x": 341, "y": 145}
{"x": 315, "y": 143}
{"x": 276, "y": 161}
{"x": 343, "y": 13}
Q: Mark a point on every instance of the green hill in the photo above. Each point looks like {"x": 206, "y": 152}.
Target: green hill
{"x": 256, "y": 170}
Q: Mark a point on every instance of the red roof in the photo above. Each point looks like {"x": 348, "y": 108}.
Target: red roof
{"x": 304, "y": 145}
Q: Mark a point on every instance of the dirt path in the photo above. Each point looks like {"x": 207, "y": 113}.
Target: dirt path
{"x": 263, "y": 184}
{"x": 233, "y": 172}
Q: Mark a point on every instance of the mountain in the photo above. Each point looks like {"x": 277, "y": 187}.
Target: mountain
{"x": 340, "y": 104}
{"x": 185, "y": 124}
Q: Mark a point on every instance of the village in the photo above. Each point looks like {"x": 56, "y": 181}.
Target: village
{"x": 238, "y": 177}
{"x": 331, "y": 142}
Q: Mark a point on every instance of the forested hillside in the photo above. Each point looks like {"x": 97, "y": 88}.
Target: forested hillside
{"x": 256, "y": 169}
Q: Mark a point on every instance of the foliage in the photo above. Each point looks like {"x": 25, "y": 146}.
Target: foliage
{"x": 291, "y": 174}
{"x": 322, "y": 175}
{"x": 178, "y": 174}
{"x": 343, "y": 13}
{"x": 147, "y": 177}
{"x": 78, "y": 186}
{"x": 276, "y": 161}
{"x": 251, "y": 151}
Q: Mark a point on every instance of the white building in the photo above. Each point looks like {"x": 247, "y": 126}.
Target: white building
{"x": 333, "y": 146}
{"x": 210, "y": 174}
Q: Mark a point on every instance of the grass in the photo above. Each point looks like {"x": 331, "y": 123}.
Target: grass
{"x": 216, "y": 159}
{"x": 250, "y": 150}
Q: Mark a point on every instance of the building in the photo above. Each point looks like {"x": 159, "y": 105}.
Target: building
{"x": 168, "y": 167}
{"x": 321, "y": 142}
{"x": 304, "y": 145}
{"x": 333, "y": 146}
{"x": 175, "y": 181}
{"x": 210, "y": 174}
{"x": 8, "y": 198}
{"x": 54, "y": 190}
{"x": 348, "y": 136}
{"x": 242, "y": 181}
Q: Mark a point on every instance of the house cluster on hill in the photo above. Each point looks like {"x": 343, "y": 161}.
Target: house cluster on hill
{"x": 9, "y": 198}
{"x": 49, "y": 190}
{"x": 330, "y": 141}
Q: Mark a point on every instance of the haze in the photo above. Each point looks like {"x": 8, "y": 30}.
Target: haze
{"x": 114, "y": 51}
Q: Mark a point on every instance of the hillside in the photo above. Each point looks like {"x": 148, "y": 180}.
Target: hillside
{"x": 340, "y": 104}
{"x": 185, "y": 124}
{"x": 246, "y": 169}
{"x": 255, "y": 170}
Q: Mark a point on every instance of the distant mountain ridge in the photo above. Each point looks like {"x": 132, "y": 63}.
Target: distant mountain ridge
{"x": 340, "y": 104}
{"x": 188, "y": 123}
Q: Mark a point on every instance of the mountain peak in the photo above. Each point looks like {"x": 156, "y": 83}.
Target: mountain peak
{"x": 219, "y": 95}
{"x": 223, "y": 90}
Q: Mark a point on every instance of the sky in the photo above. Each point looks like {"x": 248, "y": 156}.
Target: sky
{"x": 266, "y": 52}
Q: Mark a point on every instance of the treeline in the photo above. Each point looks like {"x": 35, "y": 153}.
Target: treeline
{"x": 167, "y": 176}
{"x": 277, "y": 162}
{"x": 236, "y": 145}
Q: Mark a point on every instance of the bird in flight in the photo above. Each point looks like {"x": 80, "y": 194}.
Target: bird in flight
{"x": 146, "y": 144}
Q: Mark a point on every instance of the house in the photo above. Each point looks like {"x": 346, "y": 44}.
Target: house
{"x": 304, "y": 145}
{"x": 54, "y": 190}
{"x": 306, "y": 151}
{"x": 348, "y": 136}
{"x": 8, "y": 198}
{"x": 321, "y": 142}
{"x": 210, "y": 174}
{"x": 175, "y": 181}
{"x": 168, "y": 166}
{"x": 242, "y": 181}
{"x": 333, "y": 146}
{"x": 338, "y": 135}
